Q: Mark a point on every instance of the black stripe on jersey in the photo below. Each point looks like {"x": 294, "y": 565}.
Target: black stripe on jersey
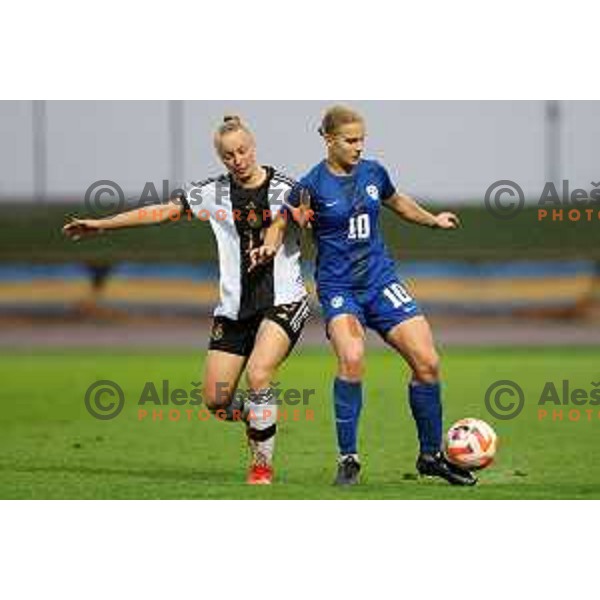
{"x": 257, "y": 286}
{"x": 179, "y": 195}
{"x": 283, "y": 178}
{"x": 203, "y": 182}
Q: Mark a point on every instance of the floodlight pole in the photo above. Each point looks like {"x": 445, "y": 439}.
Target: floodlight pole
{"x": 553, "y": 142}
{"x": 176, "y": 142}
{"x": 39, "y": 123}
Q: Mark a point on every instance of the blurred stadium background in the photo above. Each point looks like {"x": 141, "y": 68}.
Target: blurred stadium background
{"x": 493, "y": 282}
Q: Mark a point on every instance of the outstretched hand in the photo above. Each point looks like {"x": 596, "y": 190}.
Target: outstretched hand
{"x": 260, "y": 256}
{"x": 447, "y": 220}
{"x": 81, "y": 228}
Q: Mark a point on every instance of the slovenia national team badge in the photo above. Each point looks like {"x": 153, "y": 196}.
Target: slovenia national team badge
{"x": 372, "y": 191}
{"x": 337, "y": 301}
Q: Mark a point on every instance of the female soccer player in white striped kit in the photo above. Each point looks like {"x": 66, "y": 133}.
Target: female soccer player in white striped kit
{"x": 262, "y": 311}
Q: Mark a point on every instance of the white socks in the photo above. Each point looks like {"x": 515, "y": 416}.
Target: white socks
{"x": 261, "y": 426}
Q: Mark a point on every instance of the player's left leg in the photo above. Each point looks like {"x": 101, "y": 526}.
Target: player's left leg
{"x": 222, "y": 371}
{"x": 271, "y": 347}
{"x": 413, "y": 339}
{"x": 276, "y": 336}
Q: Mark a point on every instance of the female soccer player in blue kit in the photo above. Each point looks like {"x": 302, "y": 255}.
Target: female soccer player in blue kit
{"x": 358, "y": 287}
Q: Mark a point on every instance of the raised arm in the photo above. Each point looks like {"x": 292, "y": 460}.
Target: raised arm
{"x": 408, "y": 209}
{"x": 148, "y": 215}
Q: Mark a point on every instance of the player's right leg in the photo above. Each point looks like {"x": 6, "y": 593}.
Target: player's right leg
{"x": 228, "y": 350}
{"x": 347, "y": 337}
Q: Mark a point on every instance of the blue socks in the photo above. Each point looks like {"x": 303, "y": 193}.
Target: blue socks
{"x": 347, "y": 397}
{"x": 426, "y": 408}
{"x": 425, "y": 404}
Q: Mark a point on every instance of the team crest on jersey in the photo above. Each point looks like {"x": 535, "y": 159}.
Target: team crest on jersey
{"x": 217, "y": 332}
{"x": 373, "y": 192}
{"x": 254, "y": 216}
{"x": 337, "y": 301}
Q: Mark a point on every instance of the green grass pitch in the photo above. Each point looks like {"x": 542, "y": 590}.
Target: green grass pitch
{"x": 50, "y": 447}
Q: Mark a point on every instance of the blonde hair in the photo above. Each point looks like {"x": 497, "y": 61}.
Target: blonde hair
{"x": 230, "y": 124}
{"x": 335, "y": 117}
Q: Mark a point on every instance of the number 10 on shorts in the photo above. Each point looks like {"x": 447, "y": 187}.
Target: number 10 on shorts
{"x": 397, "y": 295}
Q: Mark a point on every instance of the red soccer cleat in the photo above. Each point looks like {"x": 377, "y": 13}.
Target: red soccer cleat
{"x": 260, "y": 475}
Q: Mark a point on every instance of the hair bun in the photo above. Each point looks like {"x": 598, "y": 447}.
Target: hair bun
{"x": 232, "y": 119}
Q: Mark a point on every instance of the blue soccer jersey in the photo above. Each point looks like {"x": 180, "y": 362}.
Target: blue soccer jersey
{"x": 354, "y": 271}
{"x": 351, "y": 253}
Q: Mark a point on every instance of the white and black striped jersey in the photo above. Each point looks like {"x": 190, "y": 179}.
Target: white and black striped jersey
{"x": 239, "y": 218}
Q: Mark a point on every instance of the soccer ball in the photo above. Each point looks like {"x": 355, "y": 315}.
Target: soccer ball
{"x": 471, "y": 443}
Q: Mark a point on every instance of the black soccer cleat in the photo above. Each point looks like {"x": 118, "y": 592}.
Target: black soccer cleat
{"x": 437, "y": 465}
{"x": 348, "y": 470}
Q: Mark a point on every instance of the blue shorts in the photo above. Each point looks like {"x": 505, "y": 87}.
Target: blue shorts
{"x": 381, "y": 308}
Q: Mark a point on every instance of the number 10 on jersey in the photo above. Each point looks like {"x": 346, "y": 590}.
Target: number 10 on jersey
{"x": 359, "y": 227}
